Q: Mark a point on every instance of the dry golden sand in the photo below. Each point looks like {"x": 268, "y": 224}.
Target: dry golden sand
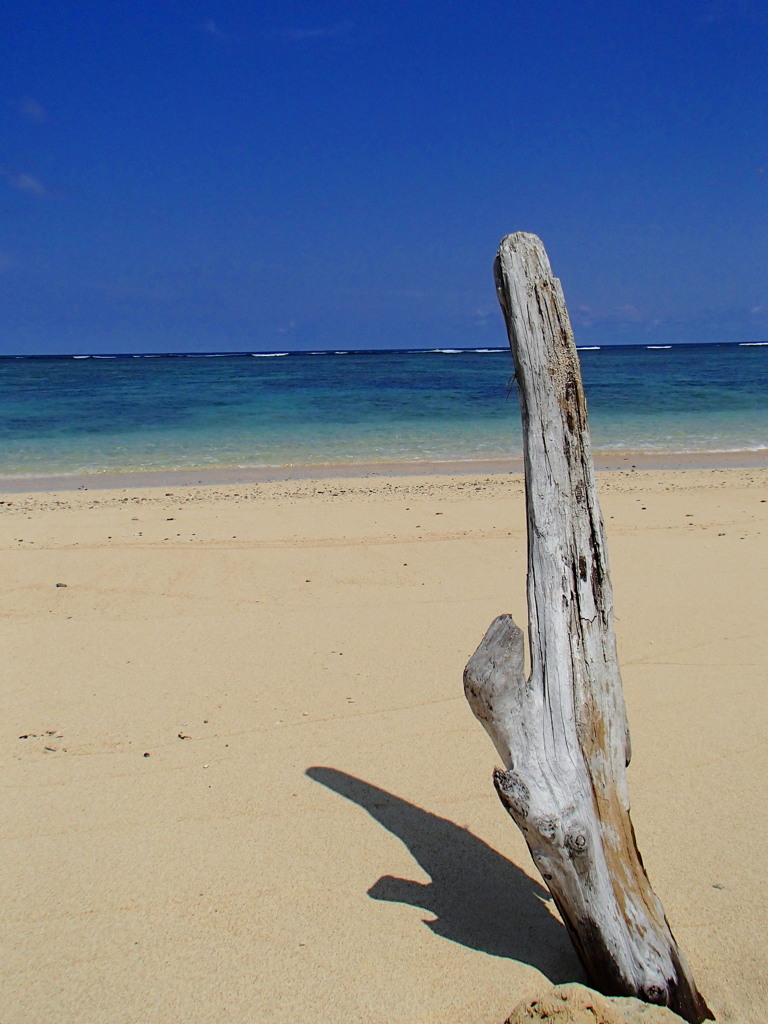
{"x": 242, "y": 783}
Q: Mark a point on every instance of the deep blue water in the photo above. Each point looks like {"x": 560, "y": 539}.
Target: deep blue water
{"x": 128, "y": 413}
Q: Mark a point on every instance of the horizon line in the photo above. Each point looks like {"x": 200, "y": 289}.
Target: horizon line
{"x": 457, "y": 350}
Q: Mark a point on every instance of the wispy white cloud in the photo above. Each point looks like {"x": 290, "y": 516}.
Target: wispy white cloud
{"x": 612, "y": 316}
{"x": 30, "y": 110}
{"x": 299, "y": 35}
{"x": 629, "y": 321}
{"x": 484, "y": 316}
{"x": 30, "y": 184}
{"x": 26, "y": 183}
{"x": 212, "y": 29}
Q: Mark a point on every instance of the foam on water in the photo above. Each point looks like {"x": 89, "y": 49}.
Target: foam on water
{"x": 153, "y": 412}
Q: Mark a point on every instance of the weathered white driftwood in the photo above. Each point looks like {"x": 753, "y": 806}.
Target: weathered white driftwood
{"x": 562, "y": 733}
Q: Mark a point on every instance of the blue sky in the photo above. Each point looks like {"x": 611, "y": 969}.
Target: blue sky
{"x": 187, "y": 176}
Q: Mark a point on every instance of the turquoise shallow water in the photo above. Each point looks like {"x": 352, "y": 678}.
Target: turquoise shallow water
{"x": 72, "y": 415}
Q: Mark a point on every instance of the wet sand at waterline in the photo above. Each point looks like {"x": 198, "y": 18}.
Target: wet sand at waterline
{"x": 242, "y": 781}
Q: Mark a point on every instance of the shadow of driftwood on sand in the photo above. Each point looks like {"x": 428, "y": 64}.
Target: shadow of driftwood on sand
{"x": 478, "y": 898}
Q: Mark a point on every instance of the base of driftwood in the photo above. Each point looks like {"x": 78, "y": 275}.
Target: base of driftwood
{"x": 576, "y": 1004}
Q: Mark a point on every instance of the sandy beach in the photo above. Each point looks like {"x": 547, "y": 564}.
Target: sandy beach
{"x": 242, "y": 782}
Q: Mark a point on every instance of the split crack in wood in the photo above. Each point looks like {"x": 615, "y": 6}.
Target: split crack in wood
{"x": 562, "y": 733}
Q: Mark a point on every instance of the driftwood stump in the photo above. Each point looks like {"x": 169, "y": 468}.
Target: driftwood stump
{"x": 562, "y": 733}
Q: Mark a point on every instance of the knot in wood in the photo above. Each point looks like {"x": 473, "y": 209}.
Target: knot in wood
{"x": 656, "y": 994}
{"x": 576, "y": 843}
{"x": 513, "y": 792}
{"x": 547, "y": 828}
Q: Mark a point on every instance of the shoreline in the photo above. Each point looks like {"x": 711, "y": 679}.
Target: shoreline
{"x": 224, "y": 476}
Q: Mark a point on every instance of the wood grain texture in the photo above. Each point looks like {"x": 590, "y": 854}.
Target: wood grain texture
{"x": 562, "y": 733}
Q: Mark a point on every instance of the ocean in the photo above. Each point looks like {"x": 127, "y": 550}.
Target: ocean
{"x": 82, "y": 415}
